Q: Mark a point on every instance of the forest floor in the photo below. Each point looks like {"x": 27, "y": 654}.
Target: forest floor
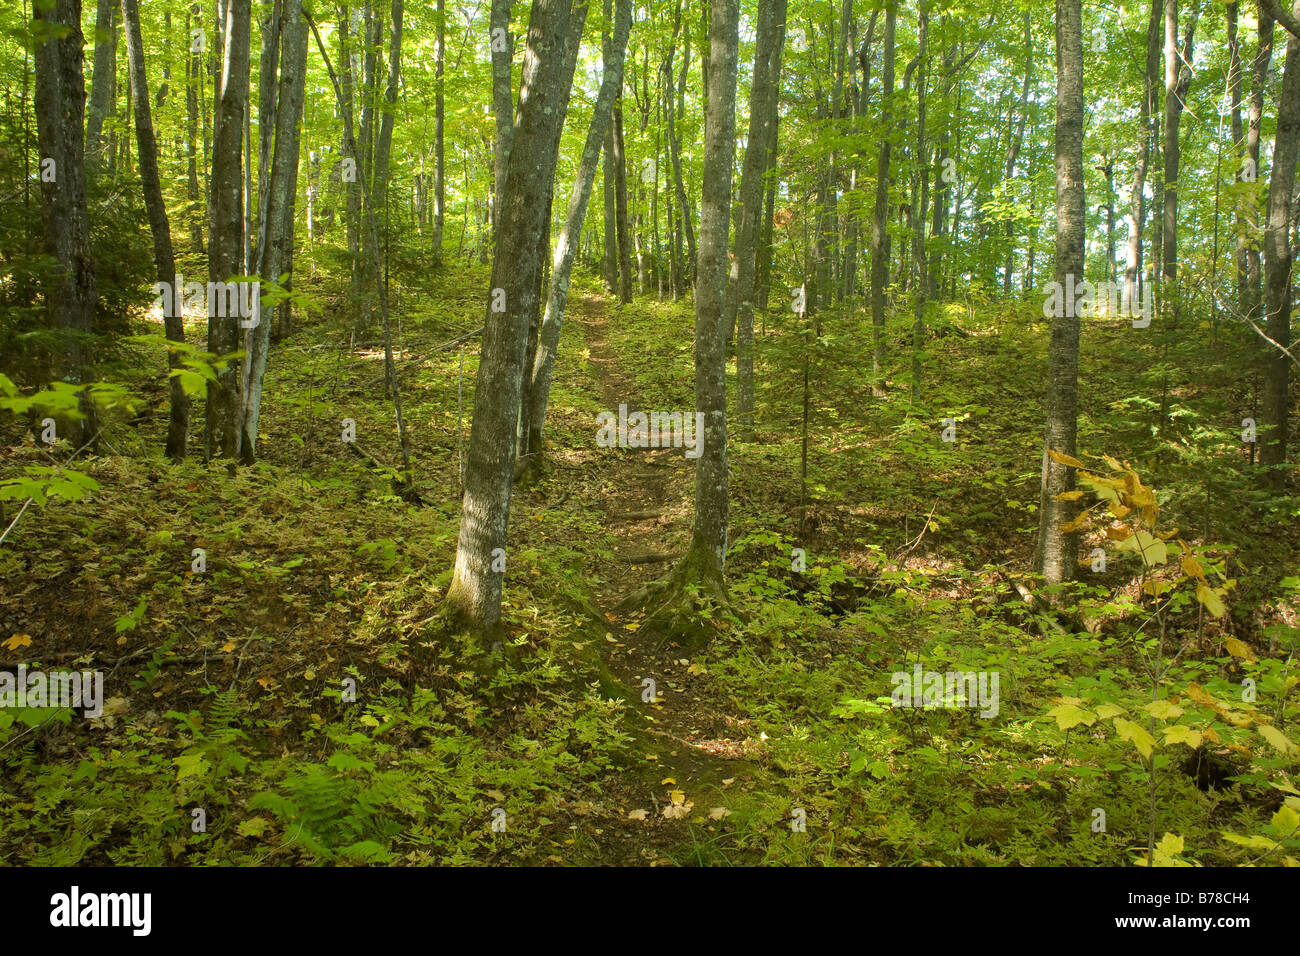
{"x": 268, "y": 684}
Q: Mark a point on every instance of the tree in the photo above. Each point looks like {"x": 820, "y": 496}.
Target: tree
{"x": 60, "y": 95}
{"x": 1277, "y": 265}
{"x": 226, "y": 238}
{"x": 543, "y": 367}
{"x": 439, "y": 118}
{"x": 103, "y": 83}
{"x": 473, "y": 599}
{"x": 1057, "y": 545}
{"x": 275, "y": 229}
{"x": 164, "y": 261}
{"x": 880, "y": 218}
{"x": 759, "y": 157}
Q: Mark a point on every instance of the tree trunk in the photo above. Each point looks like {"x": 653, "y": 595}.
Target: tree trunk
{"x": 1178, "y": 78}
{"x": 502, "y": 47}
{"x": 880, "y": 219}
{"x": 474, "y": 596}
{"x": 1258, "y": 84}
{"x": 918, "y": 234}
{"x": 1058, "y": 549}
{"x": 439, "y": 121}
{"x": 1133, "y": 278}
{"x": 543, "y": 368}
{"x": 103, "y": 84}
{"x": 193, "y": 76}
{"x": 759, "y": 155}
{"x": 164, "y": 261}
{"x": 707, "y": 556}
{"x": 60, "y": 97}
{"x": 1277, "y": 269}
{"x": 225, "y": 244}
{"x": 275, "y": 250}
{"x": 620, "y": 207}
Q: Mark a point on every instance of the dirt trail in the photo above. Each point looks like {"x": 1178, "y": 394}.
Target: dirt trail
{"x": 647, "y": 496}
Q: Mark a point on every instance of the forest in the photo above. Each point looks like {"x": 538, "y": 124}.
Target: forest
{"x": 644, "y": 433}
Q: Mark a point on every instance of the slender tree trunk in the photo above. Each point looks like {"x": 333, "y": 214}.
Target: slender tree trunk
{"x": 759, "y": 157}
{"x": 880, "y": 219}
{"x": 620, "y": 207}
{"x": 225, "y": 244}
{"x": 543, "y": 367}
{"x": 706, "y": 559}
{"x": 1058, "y": 549}
{"x": 193, "y": 76}
{"x": 275, "y": 250}
{"x": 1277, "y": 268}
{"x": 439, "y": 120}
{"x": 350, "y": 174}
{"x": 918, "y": 235}
{"x": 474, "y": 596}
{"x": 60, "y": 96}
{"x": 1253, "y": 299}
{"x": 103, "y": 84}
{"x": 1238, "y": 145}
{"x": 164, "y": 261}
{"x": 1178, "y": 78}
{"x": 503, "y": 45}
{"x": 1133, "y": 277}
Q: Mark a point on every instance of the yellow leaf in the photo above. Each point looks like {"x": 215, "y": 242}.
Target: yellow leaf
{"x": 667, "y": 780}
{"x": 1107, "y": 711}
{"x": 1064, "y": 459}
{"x": 497, "y": 795}
{"x": 17, "y": 641}
{"x": 1142, "y": 740}
{"x": 1191, "y": 567}
{"x": 1071, "y": 526}
{"x": 677, "y": 796}
{"x": 227, "y": 647}
{"x": 1237, "y": 648}
{"x": 1163, "y": 709}
{"x": 1069, "y": 496}
{"x": 1182, "y": 734}
{"x": 1275, "y": 737}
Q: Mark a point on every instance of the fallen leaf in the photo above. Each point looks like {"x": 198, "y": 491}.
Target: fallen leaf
{"x": 637, "y": 814}
{"x": 17, "y": 641}
{"x": 497, "y": 795}
{"x": 667, "y": 780}
{"x": 717, "y": 813}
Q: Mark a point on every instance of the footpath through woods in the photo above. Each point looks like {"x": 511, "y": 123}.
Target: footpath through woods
{"x": 697, "y": 751}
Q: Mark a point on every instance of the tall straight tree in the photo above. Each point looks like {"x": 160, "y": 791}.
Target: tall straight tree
{"x": 225, "y": 244}
{"x": 275, "y": 230}
{"x": 566, "y": 248}
{"x": 1259, "y": 81}
{"x": 439, "y": 121}
{"x": 1277, "y": 264}
{"x": 103, "y": 83}
{"x": 1057, "y": 548}
{"x": 164, "y": 262}
{"x": 1137, "y": 217}
{"x": 707, "y": 556}
{"x": 473, "y": 598}
{"x": 502, "y": 49}
{"x": 759, "y": 156}
{"x": 1178, "y": 79}
{"x": 60, "y": 98}
{"x": 880, "y": 217}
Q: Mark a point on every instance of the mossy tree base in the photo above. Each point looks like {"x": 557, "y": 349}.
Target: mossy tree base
{"x": 683, "y": 606}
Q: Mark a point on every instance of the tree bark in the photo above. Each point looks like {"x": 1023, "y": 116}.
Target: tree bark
{"x": 1275, "y": 401}
{"x": 543, "y": 368}
{"x": 439, "y": 122}
{"x": 59, "y": 102}
{"x": 759, "y": 157}
{"x": 880, "y": 219}
{"x": 225, "y": 244}
{"x": 708, "y": 552}
{"x": 164, "y": 261}
{"x": 1058, "y": 549}
{"x": 502, "y": 99}
{"x": 1133, "y": 278}
{"x": 473, "y": 598}
{"x": 103, "y": 84}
